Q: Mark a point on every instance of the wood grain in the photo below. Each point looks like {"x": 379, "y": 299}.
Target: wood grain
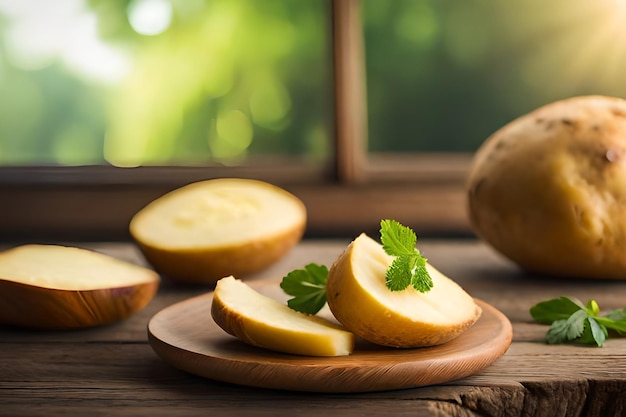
{"x": 183, "y": 336}
{"x": 350, "y": 91}
{"x": 113, "y": 371}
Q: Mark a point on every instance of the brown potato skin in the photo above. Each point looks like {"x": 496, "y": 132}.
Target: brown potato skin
{"x": 208, "y": 262}
{"x": 52, "y": 309}
{"x": 548, "y": 190}
{"x": 208, "y": 265}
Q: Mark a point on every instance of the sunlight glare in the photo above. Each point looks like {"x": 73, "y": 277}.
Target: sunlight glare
{"x": 40, "y": 32}
{"x": 150, "y": 17}
{"x": 586, "y": 45}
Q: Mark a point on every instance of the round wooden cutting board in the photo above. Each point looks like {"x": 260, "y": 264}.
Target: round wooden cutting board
{"x": 185, "y": 336}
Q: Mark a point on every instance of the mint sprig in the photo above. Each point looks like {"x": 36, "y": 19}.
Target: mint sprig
{"x": 307, "y": 286}
{"x": 409, "y": 266}
{"x": 571, "y": 321}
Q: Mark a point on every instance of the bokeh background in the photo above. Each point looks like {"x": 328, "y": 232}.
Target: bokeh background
{"x": 200, "y": 82}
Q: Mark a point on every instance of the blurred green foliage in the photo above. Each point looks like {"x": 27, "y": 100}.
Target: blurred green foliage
{"x": 445, "y": 74}
{"x": 225, "y": 79}
{"x": 218, "y": 81}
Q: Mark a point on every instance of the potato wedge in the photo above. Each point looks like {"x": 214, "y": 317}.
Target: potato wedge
{"x": 264, "y": 322}
{"x": 360, "y": 300}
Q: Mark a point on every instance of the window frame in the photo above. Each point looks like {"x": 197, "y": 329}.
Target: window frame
{"x": 348, "y": 195}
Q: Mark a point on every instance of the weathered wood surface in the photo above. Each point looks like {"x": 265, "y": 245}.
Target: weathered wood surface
{"x": 113, "y": 371}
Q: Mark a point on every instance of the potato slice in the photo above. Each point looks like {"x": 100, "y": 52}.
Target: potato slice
{"x": 210, "y": 229}
{"x": 59, "y": 287}
{"x": 360, "y": 300}
{"x": 264, "y": 322}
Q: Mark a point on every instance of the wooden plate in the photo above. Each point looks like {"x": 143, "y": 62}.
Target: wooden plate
{"x": 185, "y": 336}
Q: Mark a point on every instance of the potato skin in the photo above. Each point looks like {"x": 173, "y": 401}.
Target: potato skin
{"x": 363, "y": 315}
{"x": 273, "y": 325}
{"x": 35, "y": 307}
{"x": 208, "y": 261}
{"x": 548, "y": 190}
{"x": 208, "y": 265}
{"x": 368, "y": 317}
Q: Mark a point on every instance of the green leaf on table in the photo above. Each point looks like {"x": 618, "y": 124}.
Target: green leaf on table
{"x": 594, "y": 332}
{"x": 547, "y": 312}
{"x": 572, "y": 322}
{"x": 617, "y": 324}
{"x": 566, "y": 330}
{"x": 617, "y": 315}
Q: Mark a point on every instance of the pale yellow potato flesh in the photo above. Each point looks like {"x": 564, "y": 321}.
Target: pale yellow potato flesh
{"x": 69, "y": 268}
{"x": 360, "y": 300}
{"x": 261, "y": 321}
{"x": 215, "y": 228}
{"x": 548, "y": 190}
{"x": 217, "y": 213}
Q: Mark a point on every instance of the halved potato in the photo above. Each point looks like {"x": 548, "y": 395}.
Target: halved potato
{"x": 59, "y": 287}
{"x": 360, "y": 300}
{"x": 211, "y": 229}
{"x": 264, "y": 322}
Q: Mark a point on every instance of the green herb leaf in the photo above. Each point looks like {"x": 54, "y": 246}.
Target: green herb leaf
{"x": 421, "y": 279}
{"x": 557, "y": 332}
{"x": 409, "y": 266}
{"x": 547, "y": 312}
{"x": 308, "y": 288}
{"x": 398, "y": 275}
{"x": 619, "y": 325}
{"x": 397, "y": 240}
{"x": 587, "y": 337}
{"x": 599, "y": 333}
{"x": 572, "y": 322}
{"x": 567, "y": 330}
{"x": 617, "y": 315}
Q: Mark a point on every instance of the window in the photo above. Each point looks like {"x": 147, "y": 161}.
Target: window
{"x": 418, "y": 85}
{"x": 161, "y": 82}
{"x": 443, "y": 75}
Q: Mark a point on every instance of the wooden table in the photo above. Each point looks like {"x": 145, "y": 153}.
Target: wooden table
{"x": 113, "y": 371}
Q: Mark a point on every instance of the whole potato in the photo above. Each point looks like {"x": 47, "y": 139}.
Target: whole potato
{"x": 548, "y": 190}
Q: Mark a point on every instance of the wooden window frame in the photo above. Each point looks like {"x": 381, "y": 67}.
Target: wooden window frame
{"x": 350, "y": 195}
